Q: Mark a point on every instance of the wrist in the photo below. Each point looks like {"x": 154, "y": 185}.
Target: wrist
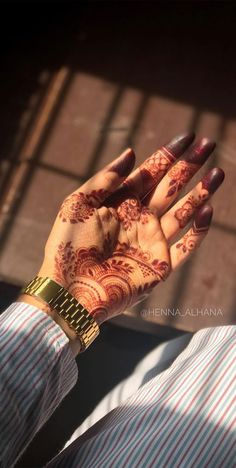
{"x": 74, "y": 340}
{"x": 85, "y": 293}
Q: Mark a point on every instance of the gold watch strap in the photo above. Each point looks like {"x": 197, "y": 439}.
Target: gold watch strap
{"x": 59, "y": 299}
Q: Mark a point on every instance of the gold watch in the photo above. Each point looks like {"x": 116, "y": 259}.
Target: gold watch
{"x": 59, "y": 299}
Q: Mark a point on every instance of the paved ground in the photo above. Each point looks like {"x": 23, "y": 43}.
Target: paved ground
{"x": 79, "y": 85}
{"x": 90, "y": 82}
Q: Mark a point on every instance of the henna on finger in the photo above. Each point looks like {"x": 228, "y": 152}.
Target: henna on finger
{"x": 185, "y": 212}
{"x": 147, "y": 176}
{"x": 182, "y": 249}
{"x": 208, "y": 185}
{"x": 78, "y": 207}
{"x": 182, "y": 212}
{"x": 201, "y": 225}
{"x": 179, "y": 175}
{"x": 184, "y": 170}
{"x": 129, "y": 212}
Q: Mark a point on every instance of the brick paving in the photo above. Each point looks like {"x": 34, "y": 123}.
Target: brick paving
{"x": 125, "y": 79}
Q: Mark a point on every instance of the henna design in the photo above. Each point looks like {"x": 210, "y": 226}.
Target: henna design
{"x": 130, "y": 211}
{"x": 180, "y": 175}
{"x": 190, "y": 240}
{"x": 209, "y": 185}
{"x": 144, "y": 260}
{"x": 155, "y": 167}
{"x": 107, "y": 284}
{"x": 80, "y": 206}
{"x": 75, "y": 209}
{"x": 200, "y": 227}
{"x": 185, "y": 212}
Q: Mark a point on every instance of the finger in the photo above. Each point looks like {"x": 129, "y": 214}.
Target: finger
{"x": 149, "y": 174}
{"x": 109, "y": 229}
{"x": 129, "y": 212}
{"x": 155, "y": 258}
{"x": 80, "y": 205}
{"x": 148, "y": 248}
{"x": 179, "y": 175}
{"x": 100, "y": 186}
{"x": 181, "y": 213}
{"x": 183, "y": 248}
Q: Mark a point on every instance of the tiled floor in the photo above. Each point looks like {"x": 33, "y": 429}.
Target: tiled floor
{"x": 81, "y": 85}
{"x": 81, "y": 94}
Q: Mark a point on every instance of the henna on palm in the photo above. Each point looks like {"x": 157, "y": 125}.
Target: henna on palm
{"x": 112, "y": 261}
{"x": 108, "y": 284}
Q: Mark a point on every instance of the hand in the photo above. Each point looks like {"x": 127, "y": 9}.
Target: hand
{"x": 110, "y": 247}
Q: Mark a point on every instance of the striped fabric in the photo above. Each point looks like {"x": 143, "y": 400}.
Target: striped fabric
{"x": 37, "y": 370}
{"x": 183, "y": 417}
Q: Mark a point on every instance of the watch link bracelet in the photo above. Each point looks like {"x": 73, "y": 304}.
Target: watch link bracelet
{"x": 59, "y": 299}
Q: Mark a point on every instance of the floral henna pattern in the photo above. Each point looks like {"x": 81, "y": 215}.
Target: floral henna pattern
{"x": 78, "y": 207}
{"x": 144, "y": 260}
{"x": 75, "y": 209}
{"x": 190, "y": 240}
{"x": 130, "y": 211}
{"x": 107, "y": 285}
{"x": 185, "y": 213}
{"x": 208, "y": 185}
{"x": 180, "y": 174}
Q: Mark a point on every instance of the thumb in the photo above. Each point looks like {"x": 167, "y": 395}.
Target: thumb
{"x": 106, "y": 181}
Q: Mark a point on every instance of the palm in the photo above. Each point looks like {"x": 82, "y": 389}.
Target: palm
{"x": 121, "y": 262}
{"x": 109, "y": 249}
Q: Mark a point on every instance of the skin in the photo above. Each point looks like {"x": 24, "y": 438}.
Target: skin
{"x": 111, "y": 242}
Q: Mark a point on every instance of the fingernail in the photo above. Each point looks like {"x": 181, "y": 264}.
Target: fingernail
{"x": 124, "y": 164}
{"x": 213, "y": 179}
{"x": 200, "y": 151}
{"x": 203, "y": 217}
{"x": 180, "y": 143}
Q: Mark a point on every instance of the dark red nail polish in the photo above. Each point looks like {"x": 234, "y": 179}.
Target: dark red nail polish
{"x": 203, "y": 217}
{"x": 124, "y": 165}
{"x": 200, "y": 151}
{"x": 213, "y": 179}
{"x": 180, "y": 143}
